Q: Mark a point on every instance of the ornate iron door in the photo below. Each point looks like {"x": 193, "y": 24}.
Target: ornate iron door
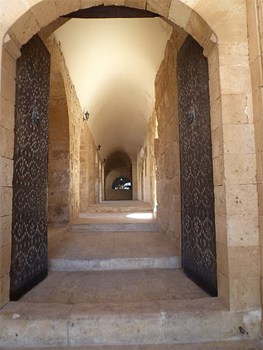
{"x": 197, "y": 188}
{"x": 29, "y": 225}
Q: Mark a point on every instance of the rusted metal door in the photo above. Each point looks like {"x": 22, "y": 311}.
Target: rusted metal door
{"x": 29, "y": 227}
{"x": 197, "y": 188}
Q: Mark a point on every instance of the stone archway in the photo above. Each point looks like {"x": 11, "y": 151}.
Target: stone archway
{"x": 221, "y": 29}
{"x": 118, "y": 165}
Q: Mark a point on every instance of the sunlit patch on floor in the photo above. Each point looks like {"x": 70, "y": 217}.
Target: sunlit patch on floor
{"x": 142, "y": 216}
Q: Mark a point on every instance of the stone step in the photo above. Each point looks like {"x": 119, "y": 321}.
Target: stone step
{"x": 77, "y": 251}
{"x": 114, "y": 227}
{"x": 120, "y": 207}
{"x": 114, "y": 286}
{"x": 224, "y": 345}
{"x": 104, "y": 264}
{"x": 108, "y": 209}
{"x": 173, "y": 322}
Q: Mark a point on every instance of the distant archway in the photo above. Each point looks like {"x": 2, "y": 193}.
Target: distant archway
{"x": 118, "y": 177}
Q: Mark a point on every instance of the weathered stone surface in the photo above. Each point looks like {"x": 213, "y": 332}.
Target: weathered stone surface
{"x": 168, "y": 163}
{"x": 24, "y": 28}
{"x": 65, "y": 7}
{"x": 5, "y": 252}
{"x": 161, "y": 7}
{"x": 45, "y": 12}
{"x": 137, "y": 323}
{"x": 6, "y": 194}
{"x": 6, "y": 172}
{"x": 8, "y": 87}
{"x": 5, "y": 230}
{"x": 4, "y": 289}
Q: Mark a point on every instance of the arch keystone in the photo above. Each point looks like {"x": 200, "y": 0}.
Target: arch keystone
{"x": 139, "y": 4}
{"x": 179, "y": 13}
{"x": 64, "y": 7}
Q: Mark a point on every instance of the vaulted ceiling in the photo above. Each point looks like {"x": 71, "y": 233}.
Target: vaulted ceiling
{"x": 113, "y": 64}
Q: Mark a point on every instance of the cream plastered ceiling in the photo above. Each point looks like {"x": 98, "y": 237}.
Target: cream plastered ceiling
{"x": 113, "y": 65}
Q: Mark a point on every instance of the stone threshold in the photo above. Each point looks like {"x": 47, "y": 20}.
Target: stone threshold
{"x": 161, "y": 322}
{"x": 222, "y": 345}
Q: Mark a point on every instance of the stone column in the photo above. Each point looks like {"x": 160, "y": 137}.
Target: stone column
{"x": 134, "y": 180}
{"x": 10, "y": 53}
{"x": 234, "y": 162}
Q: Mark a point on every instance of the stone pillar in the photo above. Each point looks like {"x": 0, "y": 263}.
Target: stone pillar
{"x": 10, "y": 53}
{"x": 236, "y": 202}
{"x": 134, "y": 180}
{"x": 255, "y": 29}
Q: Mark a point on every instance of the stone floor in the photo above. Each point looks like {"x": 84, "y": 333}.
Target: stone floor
{"x": 108, "y": 244}
{"x": 114, "y": 286}
{"x": 124, "y": 305}
{"x": 119, "y": 206}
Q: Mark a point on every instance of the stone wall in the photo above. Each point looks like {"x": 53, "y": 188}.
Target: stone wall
{"x": 146, "y": 165}
{"x": 58, "y": 154}
{"x": 255, "y": 30}
{"x": 75, "y": 118}
{"x": 167, "y": 144}
{"x": 89, "y": 168}
{"x": 82, "y": 169}
{"x": 7, "y": 101}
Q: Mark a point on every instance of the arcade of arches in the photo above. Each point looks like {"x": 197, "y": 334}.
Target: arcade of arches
{"x": 123, "y": 121}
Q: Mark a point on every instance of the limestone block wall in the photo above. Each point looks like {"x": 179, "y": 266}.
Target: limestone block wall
{"x": 152, "y": 135}
{"x": 89, "y": 168}
{"x": 146, "y": 163}
{"x": 58, "y": 154}
{"x": 167, "y": 145}
{"x": 233, "y": 146}
{"x": 74, "y": 161}
{"x": 143, "y": 172}
{"x": 255, "y": 30}
{"x": 7, "y": 101}
{"x": 74, "y": 116}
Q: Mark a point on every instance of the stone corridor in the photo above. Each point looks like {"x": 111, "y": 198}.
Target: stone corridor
{"x": 115, "y": 287}
{"x": 131, "y": 174}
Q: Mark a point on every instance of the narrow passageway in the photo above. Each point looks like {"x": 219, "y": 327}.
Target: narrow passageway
{"x": 128, "y": 154}
{"x": 101, "y": 260}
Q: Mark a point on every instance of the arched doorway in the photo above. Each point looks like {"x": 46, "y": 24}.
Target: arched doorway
{"x": 118, "y": 177}
{"x": 210, "y": 32}
{"x": 117, "y": 166}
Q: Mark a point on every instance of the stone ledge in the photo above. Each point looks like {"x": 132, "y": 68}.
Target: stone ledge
{"x": 22, "y": 324}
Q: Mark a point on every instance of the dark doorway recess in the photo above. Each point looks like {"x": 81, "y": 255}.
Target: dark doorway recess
{"x": 197, "y": 188}
{"x": 121, "y": 183}
{"x": 117, "y": 173}
{"x": 111, "y": 12}
{"x": 29, "y": 262}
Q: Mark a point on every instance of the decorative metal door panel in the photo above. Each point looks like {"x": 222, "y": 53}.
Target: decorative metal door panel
{"x": 29, "y": 225}
{"x": 197, "y": 188}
